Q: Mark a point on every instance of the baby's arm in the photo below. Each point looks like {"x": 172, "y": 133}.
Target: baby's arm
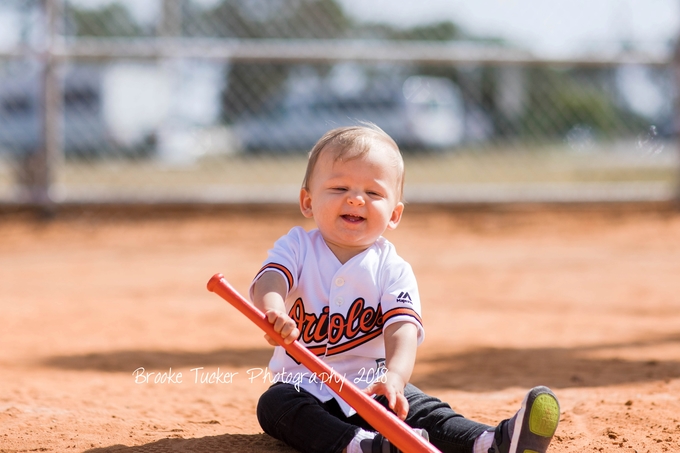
{"x": 269, "y": 292}
{"x": 401, "y": 341}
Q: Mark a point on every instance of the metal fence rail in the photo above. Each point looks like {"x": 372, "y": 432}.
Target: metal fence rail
{"x": 219, "y": 103}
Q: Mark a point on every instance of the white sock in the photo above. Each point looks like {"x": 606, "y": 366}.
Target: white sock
{"x": 482, "y": 443}
{"x": 354, "y": 446}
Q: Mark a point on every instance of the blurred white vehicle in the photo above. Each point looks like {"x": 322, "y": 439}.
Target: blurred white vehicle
{"x": 113, "y": 109}
{"x": 420, "y": 113}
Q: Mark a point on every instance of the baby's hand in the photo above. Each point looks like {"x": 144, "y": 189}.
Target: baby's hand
{"x": 284, "y": 325}
{"x": 391, "y": 385}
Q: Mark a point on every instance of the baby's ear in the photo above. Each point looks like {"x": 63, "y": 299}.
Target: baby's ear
{"x": 306, "y": 203}
{"x": 396, "y": 216}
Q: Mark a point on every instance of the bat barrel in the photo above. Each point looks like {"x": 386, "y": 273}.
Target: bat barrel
{"x": 398, "y": 432}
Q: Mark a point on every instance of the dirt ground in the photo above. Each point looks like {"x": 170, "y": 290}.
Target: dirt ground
{"x": 586, "y": 301}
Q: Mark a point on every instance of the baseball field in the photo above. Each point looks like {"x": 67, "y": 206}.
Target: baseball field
{"x": 110, "y": 341}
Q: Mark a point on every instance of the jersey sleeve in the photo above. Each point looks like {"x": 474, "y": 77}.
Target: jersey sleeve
{"x": 283, "y": 258}
{"x": 400, "y": 299}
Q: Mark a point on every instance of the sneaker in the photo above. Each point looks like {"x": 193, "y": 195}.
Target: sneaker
{"x": 531, "y": 429}
{"x": 380, "y": 444}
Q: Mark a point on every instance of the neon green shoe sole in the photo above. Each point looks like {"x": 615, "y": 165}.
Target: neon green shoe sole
{"x": 532, "y": 428}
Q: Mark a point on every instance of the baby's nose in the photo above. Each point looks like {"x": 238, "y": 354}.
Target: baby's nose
{"x": 355, "y": 199}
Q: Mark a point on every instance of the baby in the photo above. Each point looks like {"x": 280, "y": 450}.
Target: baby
{"x": 343, "y": 292}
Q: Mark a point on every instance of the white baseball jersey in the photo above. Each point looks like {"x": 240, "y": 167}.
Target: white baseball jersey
{"x": 340, "y": 309}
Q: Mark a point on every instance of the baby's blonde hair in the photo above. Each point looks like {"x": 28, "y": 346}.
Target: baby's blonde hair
{"x": 352, "y": 142}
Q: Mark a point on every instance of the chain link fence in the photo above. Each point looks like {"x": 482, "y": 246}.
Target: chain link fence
{"x": 219, "y": 101}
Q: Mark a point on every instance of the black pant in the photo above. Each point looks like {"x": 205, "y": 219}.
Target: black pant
{"x": 302, "y": 421}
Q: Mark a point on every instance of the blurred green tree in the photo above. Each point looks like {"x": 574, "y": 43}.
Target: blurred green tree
{"x": 250, "y": 85}
{"x": 111, "y": 20}
{"x": 560, "y": 101}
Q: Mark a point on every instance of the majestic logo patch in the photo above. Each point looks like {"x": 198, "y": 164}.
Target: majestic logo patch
{"x": 404, "y": 298}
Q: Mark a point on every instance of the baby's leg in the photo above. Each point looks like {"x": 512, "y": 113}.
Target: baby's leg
{"x": 303, "y": 422}
{"x": 449, "y": 431}
{"x": 530, "y": 429}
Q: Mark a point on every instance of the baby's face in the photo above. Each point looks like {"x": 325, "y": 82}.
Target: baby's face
{"x": 354, "y": 201}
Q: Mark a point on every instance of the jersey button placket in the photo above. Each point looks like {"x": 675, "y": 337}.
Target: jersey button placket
{"x": 338, "y": 282}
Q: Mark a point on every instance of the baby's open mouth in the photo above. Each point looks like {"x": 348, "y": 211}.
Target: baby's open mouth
{"x": 352, "y": 218}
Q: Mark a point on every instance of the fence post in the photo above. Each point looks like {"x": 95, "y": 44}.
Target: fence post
{"x": 170, "y": 25}
{"x": 676, "y": 116}
{"x": 53, "y": 98}
{"x": 39, "y": 165}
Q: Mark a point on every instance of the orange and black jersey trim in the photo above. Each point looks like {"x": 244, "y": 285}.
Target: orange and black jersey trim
{"x": 279, "y": 267}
